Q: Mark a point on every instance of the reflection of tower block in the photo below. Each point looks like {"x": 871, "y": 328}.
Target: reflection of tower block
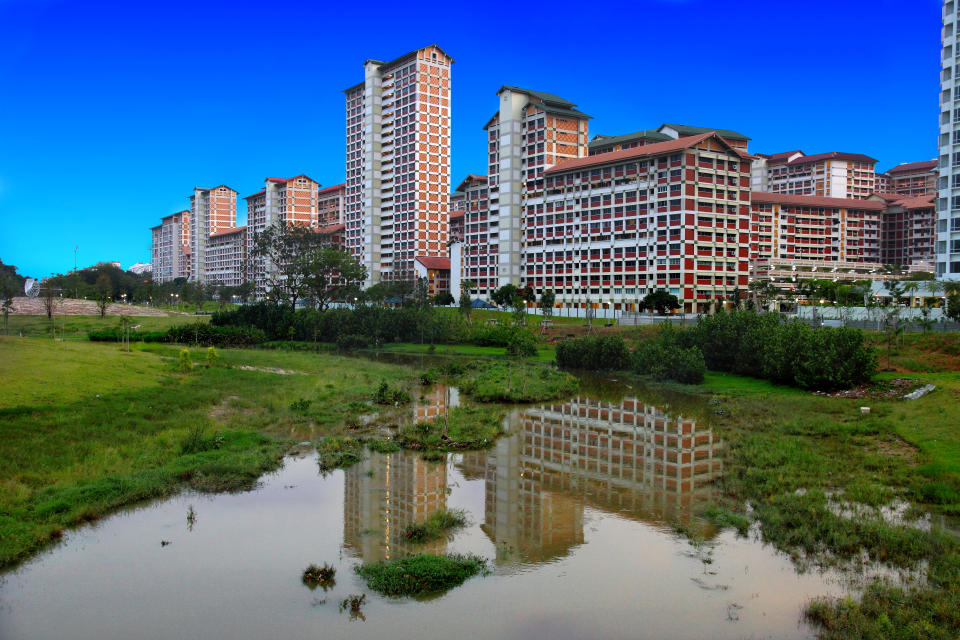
{"x": 385, "y": 494}
{"x": 435, "y": 403}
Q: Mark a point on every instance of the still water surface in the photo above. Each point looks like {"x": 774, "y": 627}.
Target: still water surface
{"x": 573, "y": 509}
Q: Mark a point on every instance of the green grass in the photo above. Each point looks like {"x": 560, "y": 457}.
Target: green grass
{"x": 381, "y": 445}
{"x": 86, "y": 428}
{"x": 77, "y": 327}
{"x": 466, "y": 428}
{"x": 790, "y": 453}
{"x": 545, "y": 353}
{"x": 516, "y": 381}
{"x": 339, "y": 452}
{"x": 440, "y": 525}
{"x": 422, "y": 574}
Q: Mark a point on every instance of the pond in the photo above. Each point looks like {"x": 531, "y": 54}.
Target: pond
{"x": 575, "y": 508}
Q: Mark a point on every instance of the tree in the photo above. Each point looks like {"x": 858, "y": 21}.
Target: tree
{"x": 443, "y": 299}
{"x": 547, "y": 299}
{"x": 378, "y": 293}
{"x": 952, "y": 304}
{"x": 8, "y": 289}
{"x": 286, "y": 250}
{"x": 763, "y": 292}
{"x": 660, "y": 301}
{"x": 49, "y": 291}
{"x": 244, "y": 291}
{"x": 104, "y": 290}
{"x": 421, "y": 292}
{"x": 466, "y": 304}
{"x": 330, "y": 275}
{"x": 402, "y": 289}
{"x": 504, "y": 296}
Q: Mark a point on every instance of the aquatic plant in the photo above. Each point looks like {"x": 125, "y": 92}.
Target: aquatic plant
{"x": 319, "y": 576}
{"x": 439, "y": 525}
{"x": 421, "y": 574}
{"x": 339, "y": 452}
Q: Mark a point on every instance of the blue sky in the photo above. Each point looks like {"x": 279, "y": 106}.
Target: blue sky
{"x": 111, "y": 112}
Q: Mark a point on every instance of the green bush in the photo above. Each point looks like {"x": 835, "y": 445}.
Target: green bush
{"x": 664, "y": 361}
{"x": 387, "y": 395}
{"x": 760, "y": 345}
{"x": 598, "y": 353}
{"x": 352, "y": 341}
{"x": 522, "y": 344}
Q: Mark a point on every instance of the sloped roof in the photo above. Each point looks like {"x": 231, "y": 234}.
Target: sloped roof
{"x": 434, "y": 263}
{"x": 227, "y": 232}
{"x": 335, "y": 187}
{"x": 563, "y": 111}
{"x": 329, "y": 229}
{"x": 471, "y": 178}
{"x": 910, "y": 167}
{"x": 254, "y": 195}
{"x": 766, "y": 197}
{"x": 649, "y": 134}
{"x": 687, "y": 130}
{"x": 778, "y": 158}
{"x": 831, "y": 155}
{"x": 539, "y": 95}
{"x": 656, "y": 148}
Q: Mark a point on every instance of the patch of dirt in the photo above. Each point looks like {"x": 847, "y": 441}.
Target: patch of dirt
{"x": 887, "y": 389}
{"x": 896, "y": 446}
{"x": 277, "y": 370}
{"x": 221, "y": 411}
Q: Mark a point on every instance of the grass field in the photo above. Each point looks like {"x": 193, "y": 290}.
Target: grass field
{"x": 86, "y": 428}
{"x": 77, "y": 327}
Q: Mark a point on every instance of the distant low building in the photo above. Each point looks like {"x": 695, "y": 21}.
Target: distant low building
{"x": 140, "y": 268}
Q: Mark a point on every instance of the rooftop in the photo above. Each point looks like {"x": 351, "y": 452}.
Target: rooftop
{"x": 765, "y": 197}
{"x": 687, "y": 130}
{"x": 654, "y": 149}
{"x": 471, "y": 178}
{"x": 434, "y": 263}
{"x": 832, "y": 155}
{"x": 227, "y": 232}
{"x": 910, "y": 167}
{"x": 543, "y": 96}
{"x": 649, "y": 134}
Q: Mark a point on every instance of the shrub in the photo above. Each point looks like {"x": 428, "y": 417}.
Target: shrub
{"x": 594, "y": 354}
{"x": 387, "y": 395}
{"x": 666, "y": 361}
{"x": 184, "y": 362}
{"x": 301, "y": 406}
{"x": 205, "y": 334}
{"x": 211, "y": 356}
{"x": 522, "y": 344}
{"x": 381, "y": 445}
{"x": 352, "y": 341}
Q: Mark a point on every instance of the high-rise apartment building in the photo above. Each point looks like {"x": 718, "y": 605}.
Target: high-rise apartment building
{"x": 211, "y": 211}
{"x": 948, "y": 200}
{"x": 531, "y": 132}
{"x": 830, "y": 175}
{"x": 398, "y": 163}
{"x": 293, "y": 200}
{"x": 913, "y": 179}
{"x": 170, "y": 247}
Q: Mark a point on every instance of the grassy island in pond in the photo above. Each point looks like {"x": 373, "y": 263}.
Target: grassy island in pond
{"x": 422, "y": 574}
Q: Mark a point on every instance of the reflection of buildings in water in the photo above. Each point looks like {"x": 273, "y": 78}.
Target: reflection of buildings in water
{"x": 628, "y": 458}
{"x": 385, "y": 494}
{"x": 434, "y": 402}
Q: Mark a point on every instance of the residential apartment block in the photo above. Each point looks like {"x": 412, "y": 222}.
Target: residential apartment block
{"x": 948, "y": 200}
{"x": 170, "y": 247}
{"x": 293, "y": 200}
{"x": 330, "y": 202}
{"x": 784, "y": 226}
{"x": 831, "y": 175}
{"x": 913, "y": 179}
{"x": 908, "y": 230}
{"x": 226, "y": 257}
{"x": 398, "y": 163}
{"x": 531, "y": 132}
{"x": 211, "y": 211}
{"x": 607, "y": 229}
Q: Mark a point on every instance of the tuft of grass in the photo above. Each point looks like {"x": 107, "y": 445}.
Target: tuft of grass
{"x": 339, "y": 452}
{"x": 319, "y": 576}
{"x": 464, "y": 428}
{"x": 726, "y": 518}
{"x": 196, "y": 441}
{"x": 889, "y": 613}
{"x": 387, "y": 395}
{"x": 441, "y": 524}
{"x": 421, "y": 574}
{"x": 381, "y": 445}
